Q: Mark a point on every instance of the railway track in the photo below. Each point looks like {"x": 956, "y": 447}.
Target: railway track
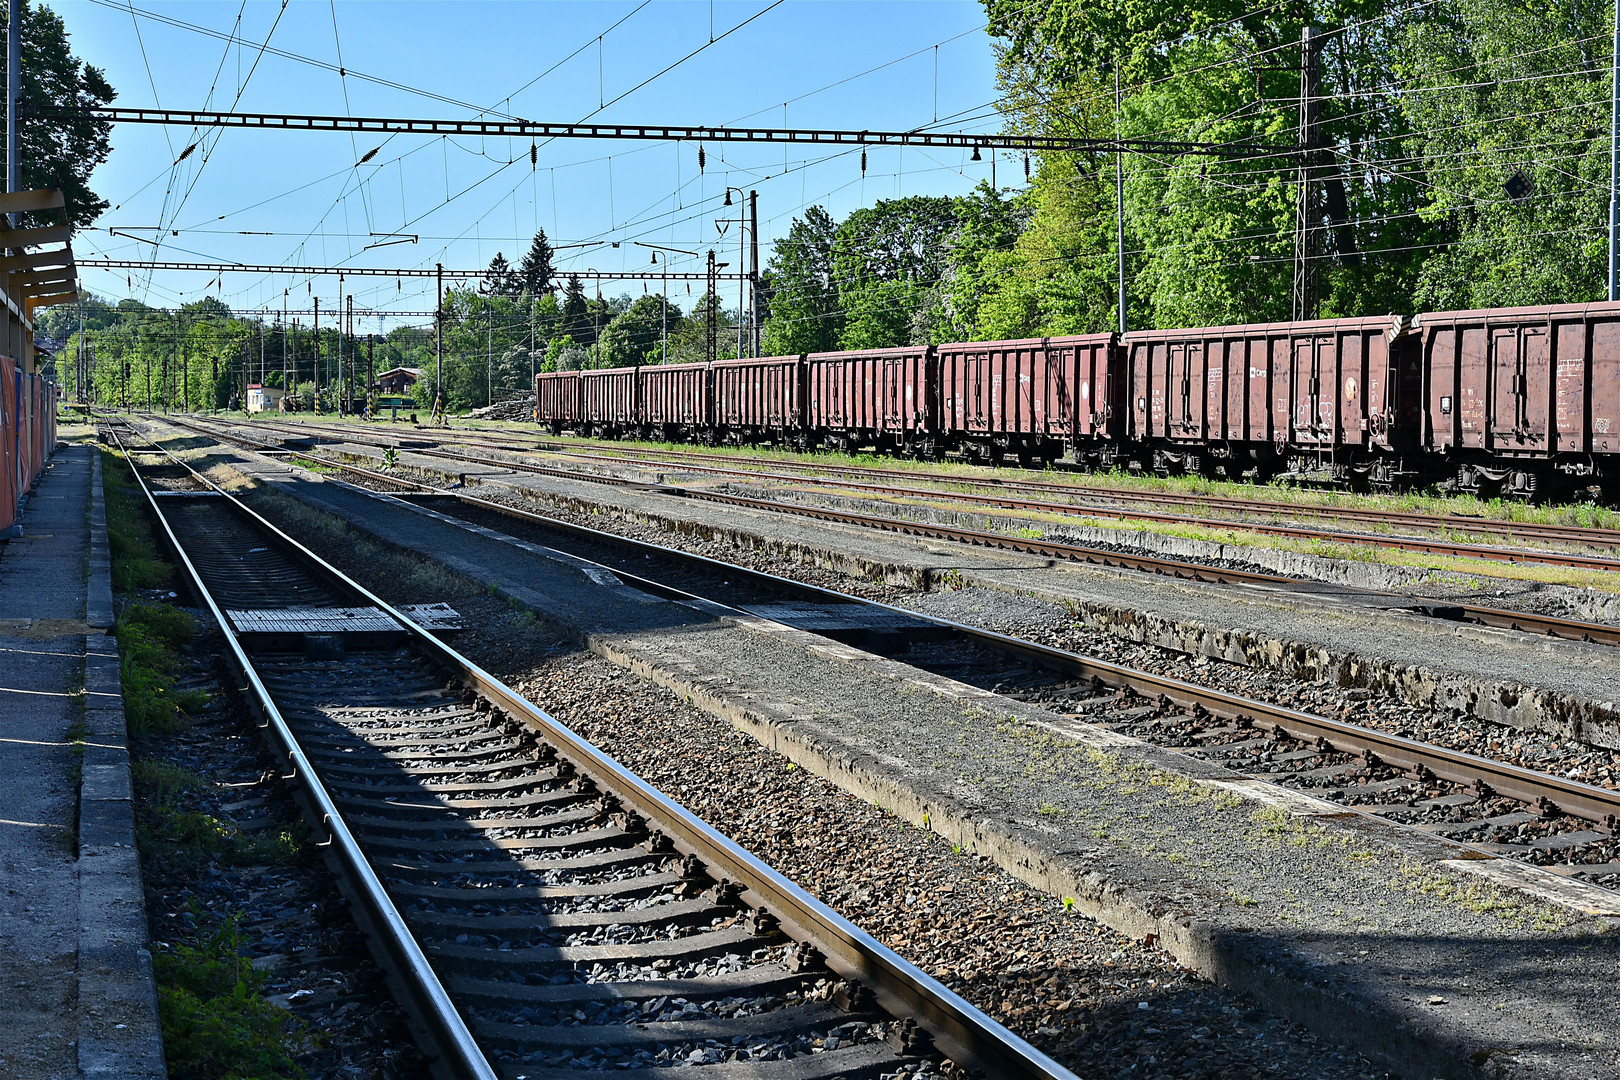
{"x": 1497, "y": 808}
{"x": 542, "y": 911}
{"x": 1009, "y": 492}
{"x": 1499, "y": 618}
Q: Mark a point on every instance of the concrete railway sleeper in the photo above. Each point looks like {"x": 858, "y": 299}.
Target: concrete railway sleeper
{"x": 1501, "y": 809}
{"x": 512, "y": 878}
{"x": 1500, "y": 618}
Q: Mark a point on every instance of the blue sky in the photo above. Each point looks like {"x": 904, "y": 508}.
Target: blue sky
{"x": 797, "y": 64}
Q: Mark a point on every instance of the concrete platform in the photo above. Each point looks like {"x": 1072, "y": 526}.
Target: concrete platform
{"x": 1412, "y": 950}
{"x": 1327, "y": 632}
{"x": 76, "y": 990}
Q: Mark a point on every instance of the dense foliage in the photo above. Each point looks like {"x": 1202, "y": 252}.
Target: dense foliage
{"x": 60, "y": 152}
{"x": 1459, "y": 159}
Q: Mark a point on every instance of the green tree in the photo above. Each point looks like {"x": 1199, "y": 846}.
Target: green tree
{"x": 536, "y": 273}
{"x": 804, "y": 315}
{"x": 576, "y": 321}
{"x": 887, "y": 260}
{"x": 59, "y": 152}
{"x": 1210, "y": 237}
{"x": 634, "y": 336}
{"x": 500, "y": 280}
{"x": 1498, "y": 91}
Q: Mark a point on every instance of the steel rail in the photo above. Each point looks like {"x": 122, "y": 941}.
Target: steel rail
{"x": 1435, "y": 547}
{"x": 1527, "y": 530}
{"x": 1497, "y": 618}
{"x": 959, "y": 1029}
{"x": 1571, "y": 533}
{"x": 428, "y": 999}
{"x": 1544, "y": 792}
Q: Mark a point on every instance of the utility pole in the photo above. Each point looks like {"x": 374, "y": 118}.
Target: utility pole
{"x": 348, "y": 322}
{"x": 316, "y": 406}
{"x": 753, "y": 274}
{"x": 1119, "y": 197}
{"x": 1614, "y": 155}
{"x": 489, "y": 355}
{"x": 710, "y": 302}
{"x": 438, "y": 350}
{"x": 1304, "y": 226}
{"x": 371, "y": 372}
{"x": 14, "y": 100}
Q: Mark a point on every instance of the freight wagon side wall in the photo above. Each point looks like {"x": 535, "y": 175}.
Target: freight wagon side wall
{"x": 1315, "y": 385}
{"x": 766, "y": 393}
{"x": 674, "y": 394}
{"x": 878, "y": 392}
{"x": 1061, "y": 388}
{"x": 608, "y": 397}
{"x": 1522, "y": 382}
{"x": 556, "y": 397}
{"x": 1001, "y": 388}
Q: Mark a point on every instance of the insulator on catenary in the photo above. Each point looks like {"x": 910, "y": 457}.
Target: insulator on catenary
{"x": 534, "y": 155}
{"x": 701, "y": 158}
{"x": 863, "y": 161}
{"x": 1026, "y": 166}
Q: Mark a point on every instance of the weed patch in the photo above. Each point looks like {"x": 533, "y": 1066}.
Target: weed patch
{"x": 130, "y": 539}
{"x": 149, "y": 639}
{"x": 216, "y": 1023}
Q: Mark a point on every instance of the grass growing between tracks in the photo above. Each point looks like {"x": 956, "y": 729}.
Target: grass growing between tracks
{"x": 216, "y": 1023}
{"x": 1583, "y": 514}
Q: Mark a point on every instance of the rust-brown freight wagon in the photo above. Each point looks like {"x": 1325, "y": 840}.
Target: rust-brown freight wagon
{"x": 1319, "y": 399}
{"x": 556, "y": 400}
{"x": 885, "y": 398}
{"x": 607, "y": 402}
{"x": 1518, "y": 401}
{"x": 672, "y": 401}
{"x": 759, "y": 400}
{"x": 1033, "y": 398}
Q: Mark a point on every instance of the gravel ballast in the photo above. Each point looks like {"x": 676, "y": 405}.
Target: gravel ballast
{"x": 1239, "y": 883}
{"x": 1567, "y": 689}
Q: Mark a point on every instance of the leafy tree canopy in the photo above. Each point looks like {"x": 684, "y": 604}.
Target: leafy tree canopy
{"x": 60, "y": 153}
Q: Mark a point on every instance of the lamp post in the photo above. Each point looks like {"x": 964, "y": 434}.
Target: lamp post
{"x": 742, "y": 255}
{"x": 664, "y": 313}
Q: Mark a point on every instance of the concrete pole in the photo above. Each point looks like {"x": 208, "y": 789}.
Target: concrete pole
{"x": 14, "y": 100}
{"x": 1119, "y": 197}
{"x": 438, "y": 349}
{"x": 316, "y": 404}
{"x": 753, "y": 274}
{"x": 1614, "y": 156}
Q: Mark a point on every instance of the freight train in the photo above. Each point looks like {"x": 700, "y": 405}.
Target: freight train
{"x": 27, "y": 437}
{"x": 1517, "y": 402}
